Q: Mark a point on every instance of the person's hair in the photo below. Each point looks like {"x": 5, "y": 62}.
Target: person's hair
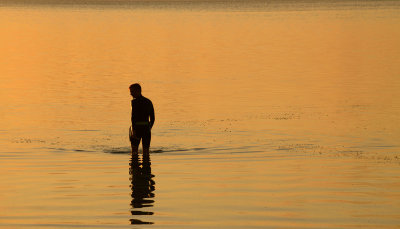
{"x": 136, "y": 87}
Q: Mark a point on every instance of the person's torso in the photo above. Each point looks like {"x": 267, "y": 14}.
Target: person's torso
{"x": 141, "y": 109}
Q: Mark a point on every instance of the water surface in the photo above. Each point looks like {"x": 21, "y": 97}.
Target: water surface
{"x": 273, "y": 115}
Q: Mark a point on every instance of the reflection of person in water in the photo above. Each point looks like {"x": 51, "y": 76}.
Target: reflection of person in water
{"x": 142, "y": 185}
{"x": 142, "y": 119}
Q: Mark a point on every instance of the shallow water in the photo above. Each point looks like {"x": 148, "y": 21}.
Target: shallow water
{"x": 267, "y": 115}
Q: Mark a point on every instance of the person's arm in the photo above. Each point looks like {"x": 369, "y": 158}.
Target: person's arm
{"x": 132, "y": 117}
{"x": 152, "y": 116}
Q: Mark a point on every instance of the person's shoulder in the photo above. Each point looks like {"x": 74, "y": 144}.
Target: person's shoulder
{"x": 147, "y": 99}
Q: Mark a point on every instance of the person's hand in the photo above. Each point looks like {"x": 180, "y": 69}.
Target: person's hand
{"x": 132, "y": 133}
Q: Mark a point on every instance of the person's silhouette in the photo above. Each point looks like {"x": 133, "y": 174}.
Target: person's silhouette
{"x": 142, "y": 185}
{"x": 142, "y": 120}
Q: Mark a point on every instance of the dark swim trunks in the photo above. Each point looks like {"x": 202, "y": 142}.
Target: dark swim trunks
{"x": 142, "y": 133}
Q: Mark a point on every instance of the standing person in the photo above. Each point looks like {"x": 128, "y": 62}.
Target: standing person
{"x": 142, "y": 120}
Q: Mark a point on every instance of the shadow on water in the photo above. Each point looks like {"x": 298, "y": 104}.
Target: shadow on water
{"x": 142, "y": 186}
{"x": 127, "y": 150}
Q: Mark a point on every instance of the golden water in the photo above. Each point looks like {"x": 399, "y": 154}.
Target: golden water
{"x": 281, "y": 116}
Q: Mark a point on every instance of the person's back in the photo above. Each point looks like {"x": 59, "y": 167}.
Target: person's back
{"x": 142, "y": 119}
{"x": 142, "y": 111}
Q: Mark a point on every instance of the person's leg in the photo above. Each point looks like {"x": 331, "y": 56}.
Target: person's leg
{"x": 146, "y": 142}
{"x": 135, "y": 149}
{"x": 135, "y": 141}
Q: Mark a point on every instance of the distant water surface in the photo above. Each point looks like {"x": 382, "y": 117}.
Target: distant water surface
{"x": 268, "y": 114}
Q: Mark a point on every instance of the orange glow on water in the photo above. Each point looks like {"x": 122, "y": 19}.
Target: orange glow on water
{"x": 277, "y": 118}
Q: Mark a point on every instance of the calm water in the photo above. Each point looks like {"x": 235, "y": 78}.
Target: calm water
{"x": 268, "y": 115}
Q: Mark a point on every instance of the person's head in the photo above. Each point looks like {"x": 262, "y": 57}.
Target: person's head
{"x": 136, "y": 90}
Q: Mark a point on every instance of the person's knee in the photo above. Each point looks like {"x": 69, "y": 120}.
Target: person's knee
{"x": 134, "y": 148}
